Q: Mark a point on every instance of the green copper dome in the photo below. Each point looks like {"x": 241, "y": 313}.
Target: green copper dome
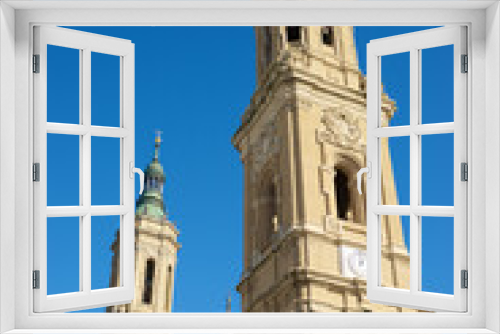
{"x": 150, "y": 203}
{"x": 155, "y": 170}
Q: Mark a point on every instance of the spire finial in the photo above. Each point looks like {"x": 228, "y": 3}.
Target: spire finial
{"x": 157, "y": 143}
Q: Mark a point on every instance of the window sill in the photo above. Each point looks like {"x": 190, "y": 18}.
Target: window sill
{"x": 257, "y": 331}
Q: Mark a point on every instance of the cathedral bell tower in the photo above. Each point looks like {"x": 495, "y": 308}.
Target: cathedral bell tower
{"x": 302, "y": 141}
{"x": 156, "y": 247}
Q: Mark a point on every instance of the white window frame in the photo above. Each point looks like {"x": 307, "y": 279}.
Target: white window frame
{"x": 414, "y": 43}
{"x": 16, "y": 22}
{"x": 85, "y": 43}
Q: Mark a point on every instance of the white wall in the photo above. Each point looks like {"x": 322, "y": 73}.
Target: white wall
{"x": 279, "y": 16}
{"x": 492, "y": 164}
{"x": 7, "y": 160}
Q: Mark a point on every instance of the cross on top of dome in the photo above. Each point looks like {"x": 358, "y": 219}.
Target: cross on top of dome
{"x": 157, "y": 143}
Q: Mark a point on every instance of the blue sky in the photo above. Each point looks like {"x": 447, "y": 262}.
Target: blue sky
{"x": 193, "y": 84}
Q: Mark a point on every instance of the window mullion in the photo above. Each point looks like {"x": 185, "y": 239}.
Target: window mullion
{"x": 123, "y": 173}
{"x": 85, "y": 252}
{"x": 414, "y": 171}
{"x": 373, "y": 197}
{"x": 85, "y": 162}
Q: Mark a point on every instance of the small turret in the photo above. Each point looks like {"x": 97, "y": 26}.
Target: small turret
{"x": 150, "y": 203}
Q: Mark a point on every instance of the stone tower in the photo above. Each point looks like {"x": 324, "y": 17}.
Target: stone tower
{"x": 156, "y": 247}
{"x": 302, "y": 140}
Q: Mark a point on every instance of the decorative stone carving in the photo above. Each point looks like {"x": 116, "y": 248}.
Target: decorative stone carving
{"x": 265, "y": 146}
{"x": 152, "y": 251}
{"x": 353, "y": 262}
{"x": 329, "y": 224}
{"x": 327, "y": 175}
{"x": 333, "y": 225}
{"x": 340, "y": 127}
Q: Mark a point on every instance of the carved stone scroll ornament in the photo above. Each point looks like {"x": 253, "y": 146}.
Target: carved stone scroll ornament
{"x": 340, "y": 127}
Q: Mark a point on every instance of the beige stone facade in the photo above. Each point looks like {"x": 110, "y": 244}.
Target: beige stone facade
{"x": 302, "y": 141}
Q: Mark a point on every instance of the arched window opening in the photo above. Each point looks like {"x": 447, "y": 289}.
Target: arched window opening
{"x": 269, "y": 222}
{"x": 293, "y": 34}
{"x": 169, "y": 286}
{"x": 342, "y": 194}
{"x": 272, "y": 208}
{"x": 327, "y": 35}
{"x": 154, "y": 184}
{"x": 362, "y": 84}
{"x": 147, "y": 296}
{"x": 268, "y": 46}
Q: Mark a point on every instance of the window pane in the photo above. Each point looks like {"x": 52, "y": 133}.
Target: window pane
{"x": 105, "y": 251}
{"x": 105, "y": 90}
{"x": 105, "y": 171}
{"x": 63, "y": 85}
{"x": 395, "y": 74}
{"x": 63, "y": 170}
{"x": 437, "y": 84}
{"x": 437, "y": 254}
{"x": 395, "y": 165}
{"x": 63, "y": 255}
{"x": 437, "y": 169}
{"x": 395, "y": 252}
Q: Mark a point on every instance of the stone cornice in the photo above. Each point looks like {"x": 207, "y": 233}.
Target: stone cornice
{"x": 283, "y": 71}
{"x": 308, "y": 275}
{"x": 337, "y": 239}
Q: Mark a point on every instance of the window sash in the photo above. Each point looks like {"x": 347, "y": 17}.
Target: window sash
{"x": 86, "y": 297}
{"x": 412, "y": 43}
